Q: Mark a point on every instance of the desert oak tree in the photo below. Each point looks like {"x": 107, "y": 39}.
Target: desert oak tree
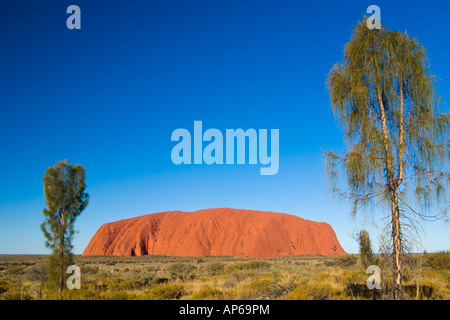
{"x": 397, "y": 143}
{"x": 65, "y": 197}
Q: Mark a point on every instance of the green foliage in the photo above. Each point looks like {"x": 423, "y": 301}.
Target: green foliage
{"x": 398, "y": 152}
{"x": 383, "y": 96}
{"x": 165, "y": 292}
{"x": 298, "y": 277}
{"x": 385, "y": 80}
{"x": 320, "y": 291}
{"x": 208, "y": 293}
{"x": 87, "y": 270}
{"x": 249, "y": 265}
{"x": 261, "y": 288}
{"x": 65, "y": 198}
{"x": 180, "y": 270}
{"x": 4, "y": 286}
{"x": 346, "y": 260}
{"x": 81, "y": 294}
{"x": 365, "y": 249}
{"x": 214, "y": 268}
{"x": 16, "y": 270}
{"x": 57, "y": 265}
{"x": 438, "y": 260}
{"x": 16, "y": 296}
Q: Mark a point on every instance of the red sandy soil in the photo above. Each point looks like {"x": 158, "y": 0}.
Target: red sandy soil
{"x": 216, "y": 232}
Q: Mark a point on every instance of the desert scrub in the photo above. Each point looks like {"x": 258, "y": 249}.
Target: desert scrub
{"x": 247, "y": 275}
{"x": 248, "y": 265}
{"x": 355, "y": 283}
{"x": 119, "y": 295}
{"x": 329, "y": 262}
{"x": 79, "y": 294}
{"x": 16, "y": 295}
{"x": 261, "y": 289}
{"x": 86, "y": 269}
{"x": 182, "y": 271}
{"x": 208, "y": 293}
{"x": 169, "y": 291}
{"x": 16, "y": 270}
{"x": 318, "y": 291}
{"x": 346, "y": 260}
{"x": 4, "y": 286}
{"x": 214, "y": 268}
{"x": 438, "y": 260}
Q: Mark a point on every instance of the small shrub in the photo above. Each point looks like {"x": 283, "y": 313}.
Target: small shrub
{"x": 354, "y": 277}
{"x": 249, "y": 265}
{"x": 150, "y": 269}
{"x": 365, "y": 249}
{"x": 230, "y": 283}
{"x": 320, "y": 291}
{"x": 261, "y": 288}
{"x": 428, "y": 290}
{"x": 407, "y": 274}
{"x": 165, "y": 292}
{"x": 16, "y": 270}
{"x": 356, "y": 285}
{"x": 346, "y": 260}
{"x": 16, "y": 296}
{"x": 208, "y": 293}
{"x": 4, "y": 286}
{"x": 299, "y": 293}
{"x": 214, "y": 268}
{"x": 180, "y": 270}
{"x": 89, "y": 270}
{"x": 446, "y": 275}
{"x": 37, "y": 272}
{"x": 159, "y": 280}
{"x": 329, "y": 262}
{"x": 79, "y": 294}
{"x": 438, "y": 260}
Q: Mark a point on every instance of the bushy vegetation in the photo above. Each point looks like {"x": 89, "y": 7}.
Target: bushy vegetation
{"x": 346, "y": 260}
{"x": 438, "y": 260}
{"x": 212, "y": 278}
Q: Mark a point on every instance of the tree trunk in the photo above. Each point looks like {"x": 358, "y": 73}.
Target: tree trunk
{"x": 396, "y": 247}
{"x": 61, "y": 253}
{"x": 392, "y": 184}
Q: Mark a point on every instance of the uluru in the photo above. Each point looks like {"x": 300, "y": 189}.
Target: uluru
{"x": 216, "y": 232}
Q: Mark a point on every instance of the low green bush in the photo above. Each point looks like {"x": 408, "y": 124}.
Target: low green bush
{"x": 182, "y": 271}
{"x": 261, "y": 288}
{"x": 320, "y": 291}
{"x": 438, "y": 260}
{"x": 165, "y": 292}
{"x": 208, "y": 293}
{"x": 248, "y": 265}
{"x": 214, "y": 268}
{"x": 346, "y": 260}
{"x": 16, "y": 270}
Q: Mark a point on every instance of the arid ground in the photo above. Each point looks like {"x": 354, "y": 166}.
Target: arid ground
{"x": 224, "y": 277}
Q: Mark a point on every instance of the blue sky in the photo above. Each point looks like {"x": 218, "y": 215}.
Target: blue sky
{"x": 108, "y": 96}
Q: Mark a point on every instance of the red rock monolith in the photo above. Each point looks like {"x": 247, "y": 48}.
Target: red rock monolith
{"x": 222, "y": 231}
